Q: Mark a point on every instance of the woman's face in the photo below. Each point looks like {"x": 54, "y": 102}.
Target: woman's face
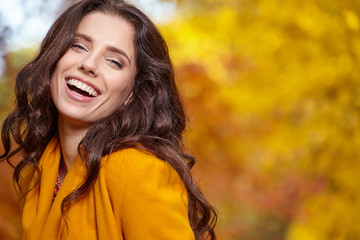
{"x": 94, "y": 77}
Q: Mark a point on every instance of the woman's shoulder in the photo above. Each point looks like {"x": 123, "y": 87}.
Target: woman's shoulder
{"x": 148, "y": 192}
{"x": 132, "y": 158}
{"x": 136, "y": 163}
{"x": 133, "y": 171}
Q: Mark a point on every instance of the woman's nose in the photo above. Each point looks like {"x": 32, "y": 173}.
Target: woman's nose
{"x": 89, "y": 66}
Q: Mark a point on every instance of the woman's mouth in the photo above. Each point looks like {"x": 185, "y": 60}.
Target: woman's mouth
{"x": 81, "y": 88}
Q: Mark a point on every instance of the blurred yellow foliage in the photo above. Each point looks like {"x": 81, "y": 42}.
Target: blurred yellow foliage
{"x": 352, "y": 20}
{"x": 272, "y": 91}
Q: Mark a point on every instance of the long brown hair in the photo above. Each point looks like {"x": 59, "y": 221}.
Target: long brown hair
{"x": 153, "y": 118}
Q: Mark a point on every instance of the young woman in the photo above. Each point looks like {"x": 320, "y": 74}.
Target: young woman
{"x": 98, "y": 123}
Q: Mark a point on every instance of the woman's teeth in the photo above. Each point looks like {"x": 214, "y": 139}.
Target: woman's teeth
{"x": 82, "y": 86}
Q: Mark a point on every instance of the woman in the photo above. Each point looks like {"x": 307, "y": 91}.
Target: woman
{"x": 98, "y": 123}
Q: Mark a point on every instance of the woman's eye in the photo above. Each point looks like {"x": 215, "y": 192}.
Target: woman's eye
{"x": 78, "y": 46}
{"x": 116, "y": 63}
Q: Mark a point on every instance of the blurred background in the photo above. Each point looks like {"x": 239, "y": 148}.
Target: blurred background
{"x": 273, "y": 96}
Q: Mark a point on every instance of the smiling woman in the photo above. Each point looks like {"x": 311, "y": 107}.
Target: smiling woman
{"x": 95, "y": 75}
{"x": 99, "y": 123}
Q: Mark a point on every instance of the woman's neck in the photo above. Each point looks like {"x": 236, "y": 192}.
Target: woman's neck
{"x": 70, "y": 136}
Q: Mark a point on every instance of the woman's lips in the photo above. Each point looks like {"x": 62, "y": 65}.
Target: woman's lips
{"x": 80, "y": 90}
{"x": 81, "y": 87}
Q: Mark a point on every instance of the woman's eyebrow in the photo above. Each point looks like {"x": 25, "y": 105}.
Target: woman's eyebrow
{"x": 108, "y": 47}
{"x": 119, "y": 51}
{"x": 84, "y": 36}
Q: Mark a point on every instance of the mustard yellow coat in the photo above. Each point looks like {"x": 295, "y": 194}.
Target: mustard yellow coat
{"x": 135, "y": 197}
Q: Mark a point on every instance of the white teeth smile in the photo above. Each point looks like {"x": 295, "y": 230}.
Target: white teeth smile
{"x": 82, "y": 86}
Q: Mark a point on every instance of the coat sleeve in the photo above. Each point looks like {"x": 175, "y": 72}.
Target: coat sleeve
{"x": 155, "y": 203}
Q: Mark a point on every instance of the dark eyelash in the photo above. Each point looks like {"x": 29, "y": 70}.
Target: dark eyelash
{"x": 78, "y": 46}
{"x": 117, "y": 63}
